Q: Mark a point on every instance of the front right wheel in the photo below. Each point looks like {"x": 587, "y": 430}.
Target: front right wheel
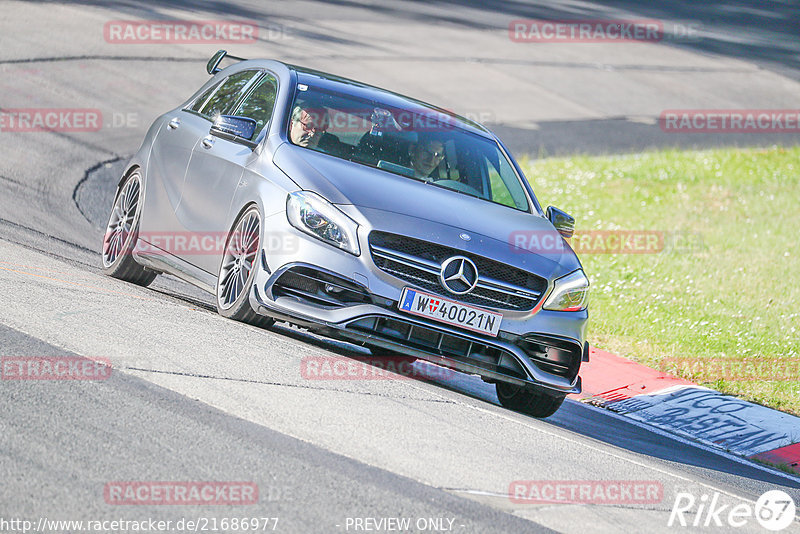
{"x": 528, "y": 400}
{"x": 237, "y": 270}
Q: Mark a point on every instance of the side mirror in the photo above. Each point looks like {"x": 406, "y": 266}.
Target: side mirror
{"x": 563, "y": 221}
{"x": 234, "y": 128}
{"x": 213, "y": 63}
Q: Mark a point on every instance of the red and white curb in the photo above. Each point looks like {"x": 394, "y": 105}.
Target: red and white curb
{"x": 691, "y": 411}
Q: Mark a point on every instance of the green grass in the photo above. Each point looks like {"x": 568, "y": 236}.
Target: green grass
{"x": 727, "y": 295}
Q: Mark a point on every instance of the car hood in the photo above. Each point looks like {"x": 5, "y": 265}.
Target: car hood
{"x": 382, "y": 200}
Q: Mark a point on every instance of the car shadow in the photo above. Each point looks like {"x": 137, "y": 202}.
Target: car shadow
{"x": 573, "y": 416}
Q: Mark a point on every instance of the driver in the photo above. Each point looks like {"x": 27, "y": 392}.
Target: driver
{"x": 308, "y": 125}
{"x": 426, "y": 155}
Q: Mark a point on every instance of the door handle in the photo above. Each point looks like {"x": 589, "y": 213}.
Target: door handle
{"x": 207, "y": 142}
{"x": 174, "y": 123}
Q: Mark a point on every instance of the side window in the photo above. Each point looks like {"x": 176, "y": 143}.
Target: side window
{"x": 504, "y": 184}
{"x": 259, "y": 103}
{"x": 202, "y": 98}
{"x": 227, "y": 94}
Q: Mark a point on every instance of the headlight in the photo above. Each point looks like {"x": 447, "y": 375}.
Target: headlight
{"x": 569, "y": 294}
{"x": 312, "y": 214}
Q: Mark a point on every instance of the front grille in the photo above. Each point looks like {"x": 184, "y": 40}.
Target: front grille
{"x": 419, "y": 262}
{"x": 433, "y": 341}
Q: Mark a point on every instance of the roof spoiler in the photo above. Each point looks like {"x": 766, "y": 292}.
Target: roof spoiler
{"x": 213, "y": 64}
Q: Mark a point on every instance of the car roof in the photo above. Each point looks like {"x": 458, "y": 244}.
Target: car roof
{"x": 347, "y": 86}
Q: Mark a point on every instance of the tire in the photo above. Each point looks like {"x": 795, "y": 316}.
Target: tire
{"x": 122, "y": 232}
{"x": 237, "y": 270}
{"x": 527, "y": 400}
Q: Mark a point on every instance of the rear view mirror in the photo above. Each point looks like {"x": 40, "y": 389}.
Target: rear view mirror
{"x": 563, "y": 221}
{"x": 234, "y": 128}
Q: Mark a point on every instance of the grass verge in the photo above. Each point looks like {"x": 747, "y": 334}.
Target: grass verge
{"x": 715, "y": 300}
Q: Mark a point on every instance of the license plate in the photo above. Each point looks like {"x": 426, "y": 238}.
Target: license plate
{"x": 450, "y": 312}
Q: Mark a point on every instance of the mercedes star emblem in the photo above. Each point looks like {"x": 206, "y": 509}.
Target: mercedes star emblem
{"x": 459, "y": 275}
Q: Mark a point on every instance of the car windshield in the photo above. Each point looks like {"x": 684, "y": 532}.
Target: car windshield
{"x": 414, "y": 142}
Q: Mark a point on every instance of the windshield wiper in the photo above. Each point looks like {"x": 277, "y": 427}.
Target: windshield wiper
{"x": 455, "y": 190}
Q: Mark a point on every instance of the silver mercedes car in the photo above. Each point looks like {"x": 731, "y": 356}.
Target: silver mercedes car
{"x": 362, "y": 214}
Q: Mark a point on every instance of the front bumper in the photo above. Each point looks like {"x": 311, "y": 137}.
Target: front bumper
{"x": 317, "y": 286}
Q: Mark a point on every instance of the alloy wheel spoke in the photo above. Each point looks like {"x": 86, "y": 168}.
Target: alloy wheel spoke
{"x": 226, "y": 277}
{"x": 121, "y": 221}
{"x": 228, "y": 263}
{"x": 239, "y": 259}
{"x": 241, "y": 240}
{"x": 114, "y": 252}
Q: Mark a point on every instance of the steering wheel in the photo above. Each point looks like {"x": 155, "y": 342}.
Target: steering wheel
{"x": 455, "y": 185}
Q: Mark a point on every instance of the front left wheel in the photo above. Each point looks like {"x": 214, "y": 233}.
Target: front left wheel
{"x": 122, "y": 231}
{"x": 528, "y": 400}
{"x": 237, "y": 270}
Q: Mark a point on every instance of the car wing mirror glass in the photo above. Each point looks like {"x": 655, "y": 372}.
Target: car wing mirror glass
{"x": 563, "y": 221}
{"x": 234, "y": 128}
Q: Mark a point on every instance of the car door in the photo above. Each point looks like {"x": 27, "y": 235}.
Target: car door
{"x": 169, "y": 160}
{"x": 216, "y": 166}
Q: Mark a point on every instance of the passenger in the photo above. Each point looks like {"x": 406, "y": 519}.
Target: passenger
{"x": 309, "y": 129}
{"x": 426, "y": 155}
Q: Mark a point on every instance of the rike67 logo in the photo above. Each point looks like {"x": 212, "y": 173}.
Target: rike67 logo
{"x": 775, "y": 510}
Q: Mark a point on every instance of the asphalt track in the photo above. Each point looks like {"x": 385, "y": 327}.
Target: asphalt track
{"x": 194, "y": 397}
